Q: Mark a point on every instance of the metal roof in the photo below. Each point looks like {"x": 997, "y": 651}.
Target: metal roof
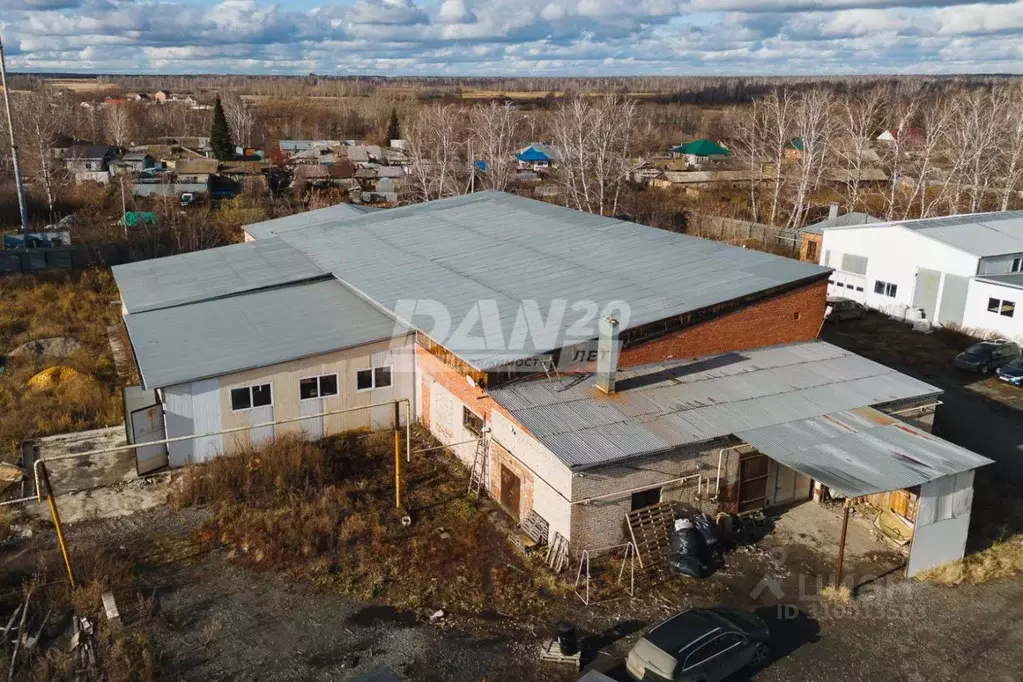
{"x": 503, "y": 250}
{"x": 255, "y": 329}
{"x": 201, "y": 275}
{"x": 1014, "y": 280}
{"x": 862, "y": 451}
{"x": 980, "y": 234}
{"x": 844, "y": 220}
{"x": 668, "y": 405}
{"x": 330, "y": 214}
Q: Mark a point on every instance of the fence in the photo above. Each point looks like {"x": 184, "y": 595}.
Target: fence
{"x": 778, "y": 240}
{"x": 15, "y": 261}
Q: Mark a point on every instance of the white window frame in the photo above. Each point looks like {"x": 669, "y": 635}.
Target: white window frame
{"x": 373, "y": 377}
{"x": 251, "y": 401}
{"x": 319, "y": 394}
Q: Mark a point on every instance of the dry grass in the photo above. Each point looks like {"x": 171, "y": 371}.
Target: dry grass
{"x": 1000, "y": 560}
{"x": 836, "y": 595}
{"x": 76, "y": 305}
{"x": 325, "y": 512}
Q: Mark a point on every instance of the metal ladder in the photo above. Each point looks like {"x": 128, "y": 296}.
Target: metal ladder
{"x": 478, "y": 473}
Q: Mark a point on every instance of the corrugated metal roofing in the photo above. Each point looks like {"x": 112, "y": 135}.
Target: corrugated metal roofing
{"x": 862, "y": 451}
{"x": 202, "y": 275}
{"x": 496, "y": 247}
{"x": 256, "y": 329}
{"x": 981, "y": 234}
{"x": 668, "y": 405}
{"x": 298, "y": 221}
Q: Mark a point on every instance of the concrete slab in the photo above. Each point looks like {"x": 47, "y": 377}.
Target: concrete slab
{"x": 820, "y": 527}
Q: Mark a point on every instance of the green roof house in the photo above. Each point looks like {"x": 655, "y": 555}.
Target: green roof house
{"x": 701, "y": 147}
{"x": 136, "y": 218}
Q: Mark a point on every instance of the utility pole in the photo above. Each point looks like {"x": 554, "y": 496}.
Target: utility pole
{"x": 22, "y": 206}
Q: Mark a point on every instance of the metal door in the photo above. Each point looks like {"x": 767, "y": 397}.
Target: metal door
{"x": 313, "y": 427}
{"x": 511, "y": 491}
{"x": 147, "y": 426}
{"x": 925, "y": 293}
{"x": 753, "y": 471}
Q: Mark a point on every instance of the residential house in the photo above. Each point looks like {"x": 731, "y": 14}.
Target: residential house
{"x": 536, "y": 157}
{"x": 162, "y": 96}
{"x": 162, "y": 188}
{"x": 64, "y": 144}
{"x": 708, "y": 387}
{"x": 136, "y": 162}
{"x": 811, "y": 237}
{"x": 906, "y": 134}
{"x": 699, "y": 152}
{"x": 962, "y": 270}
{"x": 195, "y": 170}
{"x": 90, "y": 164}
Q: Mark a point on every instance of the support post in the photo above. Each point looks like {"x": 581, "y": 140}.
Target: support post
{"x": 397, "y": 456}
{"x": 45, "y": 480}
{"x": 841, "y": 543}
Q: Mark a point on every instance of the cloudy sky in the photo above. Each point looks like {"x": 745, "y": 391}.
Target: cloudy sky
{"x": 514, "y": 37}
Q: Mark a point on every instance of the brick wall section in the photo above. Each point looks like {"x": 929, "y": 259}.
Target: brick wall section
{"x": 793, "y": 316}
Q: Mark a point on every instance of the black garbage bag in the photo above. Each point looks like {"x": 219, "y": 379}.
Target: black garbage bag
{"x": 686, "y": 541}
{"x": 707, "y": 529}
{"x": 689, "y": 566}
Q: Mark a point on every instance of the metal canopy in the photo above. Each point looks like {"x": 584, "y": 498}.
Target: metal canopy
{"x": 862, "y": 451}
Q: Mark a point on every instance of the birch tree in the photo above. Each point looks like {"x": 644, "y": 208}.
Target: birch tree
{"x": 117, "y": 124}
{"x": 776, "y": 113}
{"x": 591, "y": 141}
{"x": 493, "y": 140}
{"x": 857, "y": 122}
{"x": 434, "y": 146}
{"x": 895, "y": 152}
{"x": 1010, "y": 143}
{"x": 239, "y": 118}
{"x": 40, "y": 118}
{"x": 813, "y": 126}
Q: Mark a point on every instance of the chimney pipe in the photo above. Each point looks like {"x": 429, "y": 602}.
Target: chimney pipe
{"x": 832, "y": 211}
{"x": 607, "y": 354}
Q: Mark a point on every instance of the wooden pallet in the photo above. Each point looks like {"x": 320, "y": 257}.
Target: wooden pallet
{"x": 650, "y": 529}
{"x": 550, "y": 652}
{"x": 557, "y": 553}
{"x": 536, "y": 527}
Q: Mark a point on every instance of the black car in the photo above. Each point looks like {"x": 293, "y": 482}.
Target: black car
{"x": 700, "y": 644}
{"x": 1012, "y": 373}
{"x": 844, "y": 309}
{"x": 987, "y": 355}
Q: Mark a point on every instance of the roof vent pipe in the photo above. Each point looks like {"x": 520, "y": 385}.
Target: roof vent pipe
{"x": 607, "y": 354}
{"x": 832, "y": 211}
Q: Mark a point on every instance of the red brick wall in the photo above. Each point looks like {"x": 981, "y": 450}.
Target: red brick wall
{"x": 765, "y": 323}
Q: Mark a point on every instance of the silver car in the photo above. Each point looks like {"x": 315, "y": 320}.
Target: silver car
{"x": 700, "y": 645}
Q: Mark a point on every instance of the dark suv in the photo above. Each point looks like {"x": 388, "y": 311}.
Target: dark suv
{"x": 844, "y": 309}
{"x": 987, "y": 355}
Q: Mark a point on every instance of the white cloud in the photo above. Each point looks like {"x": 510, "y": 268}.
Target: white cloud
{"x": 515, "y": 37}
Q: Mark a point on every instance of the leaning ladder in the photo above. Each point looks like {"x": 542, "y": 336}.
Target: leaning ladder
{"x": 478, "y": 474}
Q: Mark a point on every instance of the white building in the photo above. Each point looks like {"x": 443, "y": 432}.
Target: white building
{"x": 962, "y": 270}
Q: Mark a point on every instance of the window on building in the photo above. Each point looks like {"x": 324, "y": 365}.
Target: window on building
{"x": 1002, "y": 307}
{"x": 472, "y": 421}
{"x": 1017, "y": 265}
{"x": 247, "y": 397}
{"x": 317, "y": 387}
{"x": 886, "y": 289}
{"x": 853, "y": 263}
{"x": 859, "y": 288}
{"x": 377, "y": 377}
{"x": 646, "y": 498}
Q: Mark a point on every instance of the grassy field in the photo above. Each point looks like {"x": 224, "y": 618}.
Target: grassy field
{"x": 71, "y": 305}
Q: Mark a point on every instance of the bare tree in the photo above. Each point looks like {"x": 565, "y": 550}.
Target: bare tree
{"x": 813, "y": 126}
{"x": 41, "y": 117}
{"x": 896, "y": 151}
{"x": 1010, "y": 143}
{"x": 493, "y": 141}
{"x": 118, "y": 124}
{"x": 858, "y": 119}
{"x": 749, "y": 150}
{"x": 776, "y": 113}
{"x": 931, "y": 191}
{"x": 591, "y": 141}
{"x": 240, "y": 118}
{"x": 974, "y": 135}
{"x": 434, "y": 151}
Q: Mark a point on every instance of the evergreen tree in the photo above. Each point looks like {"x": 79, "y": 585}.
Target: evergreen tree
{"x": 393, "y": 131}
{"x": 220, "y": 136}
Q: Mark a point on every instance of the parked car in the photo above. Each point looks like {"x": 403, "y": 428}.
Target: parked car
{"x": 987, "y": 355}
{"x": 700, "y": 645}
{"x": 845, "y": 309}
{"x": 1012, "y": 373}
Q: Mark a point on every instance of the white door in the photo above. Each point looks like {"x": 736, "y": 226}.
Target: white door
{"x": 147, "y": 426}
{"x": 313, "y": 428}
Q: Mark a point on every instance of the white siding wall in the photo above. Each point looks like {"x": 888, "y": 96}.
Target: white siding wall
{"x": 177, "y": 405}
{"x": 893, "y": 255}
{"x": 977, "y": 315}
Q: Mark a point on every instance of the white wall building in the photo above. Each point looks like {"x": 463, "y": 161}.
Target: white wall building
{"x": 946, "y": 270}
